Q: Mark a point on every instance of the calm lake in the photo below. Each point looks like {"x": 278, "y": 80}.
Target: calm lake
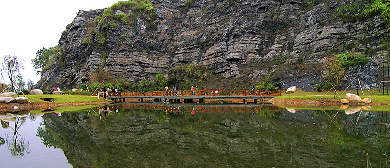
{"x": 194, "y": 135}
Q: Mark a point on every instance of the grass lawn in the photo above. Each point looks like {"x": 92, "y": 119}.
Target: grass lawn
{"x": 374, "y": 94}
{"x": 64, "y": 98}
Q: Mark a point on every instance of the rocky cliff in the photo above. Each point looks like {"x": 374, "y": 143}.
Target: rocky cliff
{"x": 284, "y": 40}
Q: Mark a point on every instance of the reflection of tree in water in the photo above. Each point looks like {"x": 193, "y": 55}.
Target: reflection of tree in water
{"x": 16, "y": 144}
{"x": 2, "y": 141}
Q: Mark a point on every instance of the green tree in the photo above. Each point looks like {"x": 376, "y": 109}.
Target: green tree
{"x": 44, "y": 58}
{"x": 11, "y": 66}
{"x": 351, "y": 59}
{"x": 161, "y": 80}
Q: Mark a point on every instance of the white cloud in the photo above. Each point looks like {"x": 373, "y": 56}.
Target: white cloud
{"x": 27, "y": 26}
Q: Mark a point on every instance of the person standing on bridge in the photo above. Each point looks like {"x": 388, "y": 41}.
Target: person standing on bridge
{"x": 192, "y": 90}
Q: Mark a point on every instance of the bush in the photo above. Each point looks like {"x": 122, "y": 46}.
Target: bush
{"x": 47, "y": 92}
{"x": 278, "y": 85}
{"x": 93, "y": 87}
{"x": 25, "y": 92}
{"x": 261, "y": 86}
{"x": 83, "y": 86}
{"x": 270, "y": 87}
{"x": 320, "y": 87}
{"x": 328, "y": 86}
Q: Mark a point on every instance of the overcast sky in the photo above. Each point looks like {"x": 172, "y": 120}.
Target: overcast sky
{"x": 27, "y": 26}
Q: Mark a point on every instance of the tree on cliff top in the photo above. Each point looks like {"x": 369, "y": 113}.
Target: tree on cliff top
{"x": 44, "y": 58}
{"x": 11, "y": 67}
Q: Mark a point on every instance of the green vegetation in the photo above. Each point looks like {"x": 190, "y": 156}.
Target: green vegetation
{"x": 351, "y": 59}
{"x": 63, "y": 98}
{"x": 46, "y": 57}
{"x": 122, "y": 12}
{"x": 374, "y": 94}
{"x": 378, "y": 7}
{"x": 356, "y": 11}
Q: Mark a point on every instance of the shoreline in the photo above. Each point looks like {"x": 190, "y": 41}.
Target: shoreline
{"x": 18, "y": 107}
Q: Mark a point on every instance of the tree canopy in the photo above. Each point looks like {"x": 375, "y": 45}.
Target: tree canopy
{"x": 351, "y": 59}
{"x": 44, "y": 58}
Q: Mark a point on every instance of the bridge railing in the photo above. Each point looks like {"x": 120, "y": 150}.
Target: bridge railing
{"x": 199, "y": 93}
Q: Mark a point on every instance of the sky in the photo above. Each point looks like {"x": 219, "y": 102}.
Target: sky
{"x": 27, "y": 26}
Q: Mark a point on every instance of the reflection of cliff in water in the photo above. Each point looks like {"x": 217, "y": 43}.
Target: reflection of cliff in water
{"x": 159, "y": 137}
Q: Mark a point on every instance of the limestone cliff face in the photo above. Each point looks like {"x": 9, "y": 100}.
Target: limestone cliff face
{"x": 250, "y": 38}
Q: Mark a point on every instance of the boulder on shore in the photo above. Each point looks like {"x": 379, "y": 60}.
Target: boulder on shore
{"x": 7, "y": 94}
{"x": 353, "y": 98}
{"x": 36, "y": 92}
{"x": 21, "y": 100}
{"x": 291, "y": 89}
{"x": 6, "y": 99}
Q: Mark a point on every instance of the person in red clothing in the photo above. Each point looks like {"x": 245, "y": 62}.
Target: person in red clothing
{"x": 193, "y": 111}
{"x": 192, "y": 90}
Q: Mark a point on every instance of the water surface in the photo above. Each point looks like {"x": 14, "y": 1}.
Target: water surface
{"x": 142, "y": 135}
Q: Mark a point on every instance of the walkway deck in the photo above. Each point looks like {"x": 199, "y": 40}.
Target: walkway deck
{"x": 200, "y": 96}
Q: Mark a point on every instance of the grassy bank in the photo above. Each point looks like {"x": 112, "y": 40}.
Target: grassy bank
{"x": 374, "y": 94}
{"x": 64, "y": 98}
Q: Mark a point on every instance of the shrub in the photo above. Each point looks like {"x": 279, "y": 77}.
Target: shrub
{"x": 93, "y": 87}
{"x": 270, "y": 87}
{"x": 83, "y": 86}
{"x": 320, "y": 87}
{"x": 24, "y": 91}
{"x": 47, "y": 92}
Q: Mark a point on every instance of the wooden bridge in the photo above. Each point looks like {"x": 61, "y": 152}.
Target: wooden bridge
{"x": 198, "y": 96}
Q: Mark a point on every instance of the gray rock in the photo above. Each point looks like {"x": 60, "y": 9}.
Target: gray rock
{"x": 6, "y": 99}
{"x": 7, "y": 94}
{"x": 278, "y": 37}
{"x": 21, "y": 100}
{"x": 36, "y": 92}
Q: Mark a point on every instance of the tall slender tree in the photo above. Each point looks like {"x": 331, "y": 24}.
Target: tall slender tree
{"x": 351, "y": 59}
{"x": 11, "y": 66}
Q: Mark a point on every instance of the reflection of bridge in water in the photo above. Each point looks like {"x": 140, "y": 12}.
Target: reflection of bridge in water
{"x": 199, "y": 96}
{"x": 206, "y": 108}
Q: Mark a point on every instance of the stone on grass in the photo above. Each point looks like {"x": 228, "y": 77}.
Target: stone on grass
{"x": 36, "y": 92}
{"x": 291, "y": 89}
{"x": 7, "y": 94}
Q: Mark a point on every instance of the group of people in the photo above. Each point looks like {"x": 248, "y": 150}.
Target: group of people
{"x": 53, "y": 89}
{"x": 104, "y": 94}
{"x": 178, "y": 92}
